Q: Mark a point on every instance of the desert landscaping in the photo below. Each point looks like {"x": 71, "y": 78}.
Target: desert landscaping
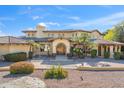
{"x": 75, "y": 79}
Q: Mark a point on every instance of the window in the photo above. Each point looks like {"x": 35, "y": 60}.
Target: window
{"x": 52, "y": 35}
{"x": 72, "y": 35}
{"x": 63, "y": 35}
{"x": 28, "y": 34}
{"x": 32, "y": 34}
{"x": 75, "y": 34}
{"x": 48, "y": 35}
{"x": 58, "y": 35}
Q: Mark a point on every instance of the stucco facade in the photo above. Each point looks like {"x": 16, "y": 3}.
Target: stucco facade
{"x": 59, "y": 40}
{"x": 13, "y": 48}
{"x": 10, "y": 44}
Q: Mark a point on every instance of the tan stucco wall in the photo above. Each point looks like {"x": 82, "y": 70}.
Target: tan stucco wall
{"x": 71, "y": 34}
{"x": 64, "y": 41}
{"x": 5, "y": 49}
{"x": 56, "y": 35}
{"x": 96, "y": 35}
{"x": 30, "y": 34}
{"x": 19, "y": 48}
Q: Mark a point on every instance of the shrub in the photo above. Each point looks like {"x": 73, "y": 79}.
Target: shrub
{"x": 15, "y": 57}
{"x": 122, "y": 55}
{"x": 30, "y": 55}
{"x": 106, "y": 54}
{"x": 93, "y": 53}
{"x": 21, "y": 68}
{"x": 81, "y": 55}
{"x": 71, "y": 50}
{"x": 117, "y": 55}
{"x": 56, "y": 73}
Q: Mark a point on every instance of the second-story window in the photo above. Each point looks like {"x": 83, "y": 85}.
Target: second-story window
{"x": 52, "y": 35}
{"x": 32, "y": 34}
{"x": 58, "y": 35}
{"x": 28, "y": 35}
{"x": 72, "y": 35}
{"x": 75, "y": 34}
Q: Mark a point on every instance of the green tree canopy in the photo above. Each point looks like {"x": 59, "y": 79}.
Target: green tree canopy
{"x": 116, "y": 33}
{"x": 85, "y": 41}
{"x": 110, "y": 35}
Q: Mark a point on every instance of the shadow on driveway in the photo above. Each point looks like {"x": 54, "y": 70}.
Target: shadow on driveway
{"x": 4, "y": 64}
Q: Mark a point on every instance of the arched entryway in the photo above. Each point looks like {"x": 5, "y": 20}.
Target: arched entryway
{"x": 61, "y": 49}
{"x": 61, "y": 46}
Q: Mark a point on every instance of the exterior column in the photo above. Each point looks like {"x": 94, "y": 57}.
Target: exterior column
{"x": 45, "y": 47}
{"x": 102, "y": 51}
{"x": 116, "y": 48}
{"x": 111, "y": 52}
{"x": 119, "y": 48}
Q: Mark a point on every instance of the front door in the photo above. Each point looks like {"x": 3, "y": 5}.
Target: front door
{"x": 61, "y": 49}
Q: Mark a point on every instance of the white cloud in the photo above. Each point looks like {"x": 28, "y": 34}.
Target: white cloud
{"x": 107, "y": 20}
{"x": 2, "y": 25}
{"x": 2, "y": 33}
{"x": 53, "y": 23}
{"x": 29, "y": 28}
{"x": 43, "y": 24}
{"x": 61, "y": 8}
{"x": 106, "y": 6}
{"x": 47, "y": 24}
{"x": 36, "y": 17}
{"x": 76, "y": 18}
{"x": 29, "y": 10}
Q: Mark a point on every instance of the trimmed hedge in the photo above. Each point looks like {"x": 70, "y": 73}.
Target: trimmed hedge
{"x": 15, "y": 57}
{"x": 122, "y": 55}
{"x": 30, "y": 55}
{"x": 56, "y": 73}
{"x": 117, "y": 55}
{"x": 21, "y": 68}
{"x": 106, "y": 54}
{"x": 93, "y": 53}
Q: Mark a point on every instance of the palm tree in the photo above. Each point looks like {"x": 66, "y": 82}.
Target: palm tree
{"x": 33, "y": 45}
{"x": 84, "y": 42}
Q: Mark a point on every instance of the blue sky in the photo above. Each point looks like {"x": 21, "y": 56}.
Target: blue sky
{"x": 14, "y": 19}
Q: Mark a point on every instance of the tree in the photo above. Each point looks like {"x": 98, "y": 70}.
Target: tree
{"x": 116, "y": 33}
{"x": 84, "y": 40}
{"x": 33, "y": 45}
{"x": 111, "y": 36}
{"x": 119, "y": 31}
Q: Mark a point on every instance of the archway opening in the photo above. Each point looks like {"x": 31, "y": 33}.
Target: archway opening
{"x": 61, "y": 49}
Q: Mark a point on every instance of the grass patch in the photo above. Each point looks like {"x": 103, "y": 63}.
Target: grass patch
{"x": 100, "y": 68}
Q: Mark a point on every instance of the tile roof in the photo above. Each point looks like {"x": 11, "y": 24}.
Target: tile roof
{"x": 106, "y": 42}
{"x": 68, "y": 30}
{"x": 12, "y": 40}
{"x": 36, "y": 39}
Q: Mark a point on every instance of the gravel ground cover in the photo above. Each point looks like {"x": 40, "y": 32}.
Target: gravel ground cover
{"x": 76, "y": 79}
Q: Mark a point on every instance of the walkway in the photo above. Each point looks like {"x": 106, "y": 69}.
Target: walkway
{"x": 74, "y": 63}
{"x": 47, "y": 62}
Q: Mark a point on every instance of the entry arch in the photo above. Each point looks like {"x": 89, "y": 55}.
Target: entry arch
{"x": 61, "y": 41}
{"x": 61, "y": 49}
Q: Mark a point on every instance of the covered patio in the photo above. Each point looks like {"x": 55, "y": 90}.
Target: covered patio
{"x": 108, "y": 46}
